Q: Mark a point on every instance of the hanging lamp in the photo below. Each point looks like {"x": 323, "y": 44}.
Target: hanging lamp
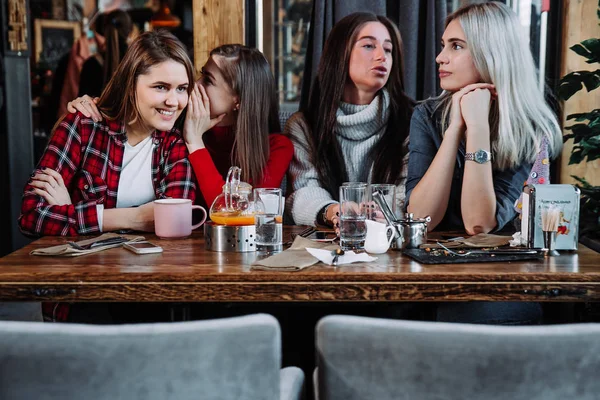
{"x": 163, "y": 17}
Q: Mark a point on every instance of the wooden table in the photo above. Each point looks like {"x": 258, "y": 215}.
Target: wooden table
{"x": 186, "y": 272}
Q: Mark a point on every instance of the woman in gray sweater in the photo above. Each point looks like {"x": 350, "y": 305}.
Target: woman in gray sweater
{"x": 355, "y": 126}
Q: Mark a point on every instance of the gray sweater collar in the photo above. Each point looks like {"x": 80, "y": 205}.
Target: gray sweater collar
{"x": 361, "y": 121}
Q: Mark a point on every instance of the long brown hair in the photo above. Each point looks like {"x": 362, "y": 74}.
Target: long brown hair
{"x": 118, "y": 100}
{"x": 247, "y": 72}
{"x": 117, "y": 28}
{"x": 326, "y": 94}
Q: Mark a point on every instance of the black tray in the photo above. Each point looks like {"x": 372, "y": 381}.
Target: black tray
{"x": 437, "y": 257}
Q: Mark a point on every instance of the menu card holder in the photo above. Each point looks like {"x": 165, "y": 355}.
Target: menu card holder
{"x": 537, "y": 198}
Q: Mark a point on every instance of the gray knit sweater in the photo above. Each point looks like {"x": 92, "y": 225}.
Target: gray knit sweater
{"x": 357, "y": 130}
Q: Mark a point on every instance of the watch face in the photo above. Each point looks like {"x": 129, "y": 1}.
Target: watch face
{"x": 481, "y": 156}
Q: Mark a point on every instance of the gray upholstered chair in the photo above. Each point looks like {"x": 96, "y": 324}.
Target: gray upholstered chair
{"x": 231, "y": 358}
{"x": 369, "y": 358}
{"x": 21, "y": 311}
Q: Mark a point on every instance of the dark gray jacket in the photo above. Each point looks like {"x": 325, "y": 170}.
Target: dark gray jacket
{"x": 426, "y": 139}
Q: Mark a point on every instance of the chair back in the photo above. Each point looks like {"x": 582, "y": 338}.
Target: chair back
{"x": 284, "y": 115}
{"x": 369, "y": 358}
{"x": 232, "y": 358}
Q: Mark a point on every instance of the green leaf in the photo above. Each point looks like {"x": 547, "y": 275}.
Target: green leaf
{"x": 568, "y": 89}
{"x": 594, "y": 141}
{"x": 592, "y": 156}
{"x": 576, "y": 156}
{"x": 586, "y": 145}
{"x": 578, "y": 117}
{"x": 582, "y": 51}
{"x": 581, "y": 180}
{"x": 588, "y": 49}
{"x": 585, "y": 131}
{"x": 592, "y": 44}
{"x": 591, "y": 81}
{"x": 592, "y": 116}
{"x": 581, "y": 130}
{"x": 572, "y": 82}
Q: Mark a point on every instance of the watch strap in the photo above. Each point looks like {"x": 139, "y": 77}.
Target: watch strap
{"x": 473, "y": 156}
{"x": 322, "y": 216}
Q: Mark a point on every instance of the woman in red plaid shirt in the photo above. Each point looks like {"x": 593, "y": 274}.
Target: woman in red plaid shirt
{"x": 103, "y": 174}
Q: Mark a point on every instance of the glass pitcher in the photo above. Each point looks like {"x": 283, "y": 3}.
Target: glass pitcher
{"x": 234, "y": 206}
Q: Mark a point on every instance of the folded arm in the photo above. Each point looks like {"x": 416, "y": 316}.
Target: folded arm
{"x": 42, "y": 217}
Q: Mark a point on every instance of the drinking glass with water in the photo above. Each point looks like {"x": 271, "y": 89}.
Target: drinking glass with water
{"x": 268, "y": 220}
{"x": 353, "y": 213}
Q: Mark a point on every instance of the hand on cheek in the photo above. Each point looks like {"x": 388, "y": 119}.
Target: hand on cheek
{"x": 198, "y": 119}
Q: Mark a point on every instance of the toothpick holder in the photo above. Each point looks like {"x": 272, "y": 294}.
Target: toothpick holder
{"x": 550, "y": 243}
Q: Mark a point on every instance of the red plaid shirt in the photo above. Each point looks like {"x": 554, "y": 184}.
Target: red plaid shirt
{"x": 89, "y": 156}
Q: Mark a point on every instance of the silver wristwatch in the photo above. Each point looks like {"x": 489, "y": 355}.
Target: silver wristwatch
{"x": 481, "y": 156}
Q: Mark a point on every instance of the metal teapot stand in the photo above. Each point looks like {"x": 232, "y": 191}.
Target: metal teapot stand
{"x": 238, "y": 239}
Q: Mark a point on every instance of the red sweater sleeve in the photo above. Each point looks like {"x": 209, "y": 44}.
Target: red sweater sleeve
{"x": 209, "y": 179}
{"x": 281, "y": 153}
{"x": 211, "y": 182}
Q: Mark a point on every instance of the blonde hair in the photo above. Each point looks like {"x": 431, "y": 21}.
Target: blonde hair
{"x": 520, "y": 118}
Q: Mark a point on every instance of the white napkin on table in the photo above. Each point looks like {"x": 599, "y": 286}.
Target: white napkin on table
{"x": 326, "y": 257}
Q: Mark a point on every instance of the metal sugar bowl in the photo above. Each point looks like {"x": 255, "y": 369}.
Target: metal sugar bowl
{"x": 410, "y": 232}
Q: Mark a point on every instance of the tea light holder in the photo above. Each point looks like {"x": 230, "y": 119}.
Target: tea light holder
{"x": 238, "y": 239}
{"x": 550, "y": 243}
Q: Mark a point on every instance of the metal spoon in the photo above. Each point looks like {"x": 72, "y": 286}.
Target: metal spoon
{"x": 385, "y": 207}
{"x": 336, "y": 254}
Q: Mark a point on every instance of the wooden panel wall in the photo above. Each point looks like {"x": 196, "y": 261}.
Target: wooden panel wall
{"x": 216, "y": 22}
{"x": 580, "y": 23}
{"x": 268, "y": 38}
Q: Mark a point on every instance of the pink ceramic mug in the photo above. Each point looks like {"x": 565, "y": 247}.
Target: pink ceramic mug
{"x": 173, "y": 218}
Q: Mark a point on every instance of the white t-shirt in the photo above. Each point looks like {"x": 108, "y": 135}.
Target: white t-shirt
{"x": 135, "y": 182}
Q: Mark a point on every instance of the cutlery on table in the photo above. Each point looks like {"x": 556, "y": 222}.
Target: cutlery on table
{"x": 506, "y": 251}
{"x": 306, "y": 232}
{"x": 336, "y": 254}
{"x": 104, "y": 242}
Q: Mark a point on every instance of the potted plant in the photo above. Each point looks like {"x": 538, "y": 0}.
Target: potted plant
{"x": 585, "y": 132}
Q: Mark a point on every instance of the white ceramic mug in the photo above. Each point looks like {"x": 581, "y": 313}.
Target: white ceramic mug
{"x": 173, "y": 218}
{"x": 377, "y": 240}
